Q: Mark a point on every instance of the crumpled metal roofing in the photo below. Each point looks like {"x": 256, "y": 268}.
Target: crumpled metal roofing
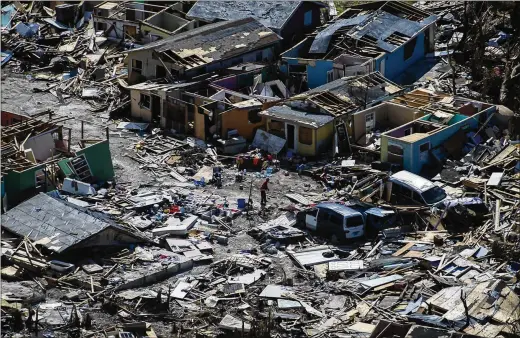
{"x": 271, "y": 14}
{"x": 378, "y": 25}
{"x": 322, "y": 39}
{"x": 382, "y": 25}
{"x": 287, "y": 113}
{"x": 217, "y": 41}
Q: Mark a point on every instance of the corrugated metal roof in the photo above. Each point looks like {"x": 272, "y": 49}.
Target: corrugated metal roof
{"x": 271, "y": 14}
{"x": 160, "y": 86}
{"x": 378, "y": 25}
{"x": 384, "y": 24}
{"x": 287, "y": 113}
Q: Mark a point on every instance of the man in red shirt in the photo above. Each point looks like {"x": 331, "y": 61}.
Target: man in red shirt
{"x": 263, "y": 192}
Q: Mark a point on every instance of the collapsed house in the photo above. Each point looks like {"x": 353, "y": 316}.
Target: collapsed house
{"x": 203, "y": 50}
{"x": 225, "y": 106}
{"x": 314, "y": 121}
{"x": 141, "y": 22}
{"x": 289, "y": 19}
{"x": 447, "y": 129}
{"x": 37, "y": 156}
{"x": 386, "y": 37}
{"x": 61, "y": 226}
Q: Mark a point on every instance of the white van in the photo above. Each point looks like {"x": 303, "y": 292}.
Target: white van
{"x": 335, "y": 221}
{"x": 408, "y": 188}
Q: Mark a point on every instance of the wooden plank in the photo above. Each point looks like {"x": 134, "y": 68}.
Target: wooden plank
{"x": 406, "y": 247}
{"x": 497, "y": 215}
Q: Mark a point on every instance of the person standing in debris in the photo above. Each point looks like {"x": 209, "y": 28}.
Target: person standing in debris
{"x": 263, "y": 192}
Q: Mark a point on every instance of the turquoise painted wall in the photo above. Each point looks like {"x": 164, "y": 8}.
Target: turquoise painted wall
{"x": 414, "y": 161}
{"x": 99, "y": 160}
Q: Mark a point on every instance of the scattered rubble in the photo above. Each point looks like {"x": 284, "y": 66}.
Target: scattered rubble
{"x": 392, "y": 211}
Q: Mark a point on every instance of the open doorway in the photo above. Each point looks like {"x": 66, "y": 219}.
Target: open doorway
{"x": 156, "y": 108}
{"x": 290, "y": 136}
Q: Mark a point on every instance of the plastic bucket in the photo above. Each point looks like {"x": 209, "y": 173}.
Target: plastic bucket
{"x": 241, "y": 203}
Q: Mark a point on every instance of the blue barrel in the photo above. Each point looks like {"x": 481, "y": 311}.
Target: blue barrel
{"x": 241, "y": 203}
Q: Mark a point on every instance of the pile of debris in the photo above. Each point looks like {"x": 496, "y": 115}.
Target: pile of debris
{"x": 61, "y": 46}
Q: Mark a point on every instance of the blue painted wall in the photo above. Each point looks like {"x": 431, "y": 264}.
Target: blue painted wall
{"x": 317, "y": 74}
{"x": 414, "y": 159}
{"x": 395, "y": 62}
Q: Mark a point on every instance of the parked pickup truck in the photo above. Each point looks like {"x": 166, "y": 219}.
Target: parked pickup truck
{"x": 341, "y": 222}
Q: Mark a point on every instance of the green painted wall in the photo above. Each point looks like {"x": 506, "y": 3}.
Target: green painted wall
{"x": 99, "y": 160}
{"x": 63, "y": 164}
{"x": 20, "y": 185}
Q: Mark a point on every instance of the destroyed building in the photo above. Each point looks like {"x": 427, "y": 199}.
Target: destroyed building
{"x": 310, "y": 121}
{"x": 140, "y": 22}
{"x": 445, "y": 130}
{"x": 44, "y": 157}
{"x": 386, "y": 37}
{"x": 224, "y": 188}
{"x": 202, "y": 50}
{"x": 291, "y": 19}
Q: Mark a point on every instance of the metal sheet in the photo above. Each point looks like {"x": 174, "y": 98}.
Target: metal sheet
{"x": 268, "y": 142}
{"x": 345, "y": 265}
{"x": 494, "y": 180}
{"x": 298, "y": 198}
{"x": 372, "y": 283}
{"x": 310, "y": 258}
{"x": 322, "y": 39}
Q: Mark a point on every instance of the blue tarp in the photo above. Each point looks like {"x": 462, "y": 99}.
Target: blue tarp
{"x": 55, "y": 23}
{"x": 6, "y": 56}
{"x": 27, "y": 30}
{"x": 7, "y": 13}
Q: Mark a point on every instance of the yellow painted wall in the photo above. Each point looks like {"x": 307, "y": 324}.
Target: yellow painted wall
{"x": 324, "y": 138}
{"x": 199, "y": 124}
{"x": 238, "y": 119}
{"x": 136, "y": 110}
{"x": 306, "y": 149}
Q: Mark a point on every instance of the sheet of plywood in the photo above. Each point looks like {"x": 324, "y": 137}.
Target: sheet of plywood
{"x": 406, "y": 247}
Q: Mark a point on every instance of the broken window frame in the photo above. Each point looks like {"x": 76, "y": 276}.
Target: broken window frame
{"x": 422, "y": 147}
{"x": 143, "y": 101}
{"x": 39, "y": 177}
{"x": 409, "y": 49}
{"x": 164, "y": 73}
{"x": 305, "y": 135}
{"x": 253, "y": 117}
{"x": 135, "y": 67}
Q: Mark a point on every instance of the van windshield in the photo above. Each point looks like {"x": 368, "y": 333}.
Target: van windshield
{"x": 434, "y": 195}
{"x": 354, "y": 221}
